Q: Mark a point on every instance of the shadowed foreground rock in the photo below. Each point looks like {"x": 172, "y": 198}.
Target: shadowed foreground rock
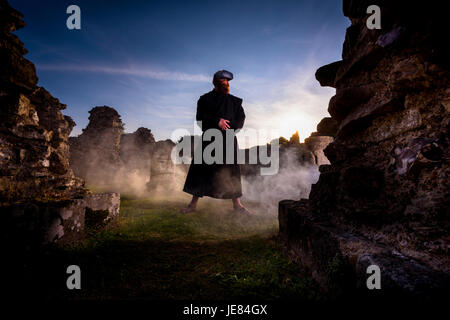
{"x": 384, "y": 199}
{"x": 41, "y": 200}
{"x": 62, "y": 221}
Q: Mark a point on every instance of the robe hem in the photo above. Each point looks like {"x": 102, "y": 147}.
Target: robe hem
{"x": 237, "y": 195}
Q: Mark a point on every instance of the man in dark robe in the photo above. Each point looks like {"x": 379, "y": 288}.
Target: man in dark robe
{"x": 218, "y": 109}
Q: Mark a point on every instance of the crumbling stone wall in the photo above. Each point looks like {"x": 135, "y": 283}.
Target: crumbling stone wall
{"x": 33, "y": 131}
{"x": 293, "y": 153}
{"x": 41, "y": 200}
{"x": 165, "y": 175}
{"x": 319, "y": 140}
{"x": 136, "y": 151}
{"x": 384, "y": 199}
{"x": 316, "y": 144}
{"x": 94, "y": 155}
{"x": 107, "y": 157}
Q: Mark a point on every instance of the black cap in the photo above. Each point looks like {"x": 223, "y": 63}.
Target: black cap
{"x": 221, "y": 74}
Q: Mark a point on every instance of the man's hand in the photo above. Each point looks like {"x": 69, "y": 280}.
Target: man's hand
{"x": 223, "y": 124}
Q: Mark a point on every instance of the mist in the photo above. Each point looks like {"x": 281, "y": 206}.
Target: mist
{"x": 136, "y": 166}
{"x": 293, "y": 181}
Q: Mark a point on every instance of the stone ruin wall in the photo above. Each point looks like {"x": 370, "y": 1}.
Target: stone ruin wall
{"x": 134, "y": 163}
{"x": 136, "y": 151}
{"x": 94, "y": 154}
{"x": 33, "y": 131}
{"x": 41, "y": 200}
{"x": 384, "y": 199}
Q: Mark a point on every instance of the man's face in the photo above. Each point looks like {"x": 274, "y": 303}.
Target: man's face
{"x": 223, "y": 85}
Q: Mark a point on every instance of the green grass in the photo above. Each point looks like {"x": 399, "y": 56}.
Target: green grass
{"x": 154, "y": 252}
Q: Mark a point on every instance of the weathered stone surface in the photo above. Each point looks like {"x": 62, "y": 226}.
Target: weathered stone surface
{"x": 345, "y": 100}
{"x": 327, "y": 127}
{"x": 64, "y": 221}
{"x": 41, "y": 200}
{"x": 338, "y": 260}
{"x": 384, "y": 197}
{"x": 326, "y": 75}
{"x": 316, "y": 145}
{"x": 136, "y": 151}
{"x": 108, "y": 158}
{"x": 15, "y": 71}
{"x": 94, "y": 155}
{"x": 165, "y": 175}
{"x": 33, "y": 131}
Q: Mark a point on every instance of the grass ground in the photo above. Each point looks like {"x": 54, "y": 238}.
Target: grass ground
{"x": 154, "y": 252}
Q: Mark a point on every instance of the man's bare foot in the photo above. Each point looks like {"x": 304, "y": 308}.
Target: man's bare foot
{"x": 189, "y": 208}
{"x": 243, "y": 210}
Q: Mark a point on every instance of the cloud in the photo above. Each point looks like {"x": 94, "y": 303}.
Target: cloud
{"x": 281, "y": 102}
{"x": 297, "y": 102}
{"x": 139, "y": 71}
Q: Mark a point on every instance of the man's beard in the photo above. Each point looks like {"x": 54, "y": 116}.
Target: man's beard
{"x": 223, "y": 88}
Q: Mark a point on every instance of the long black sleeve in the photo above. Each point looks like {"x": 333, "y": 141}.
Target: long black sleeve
{"x": 208, "y": 120}
{"x": 238, "y": 120}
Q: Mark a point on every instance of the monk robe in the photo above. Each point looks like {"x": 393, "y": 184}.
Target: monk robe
{"x": 221, "y": 181}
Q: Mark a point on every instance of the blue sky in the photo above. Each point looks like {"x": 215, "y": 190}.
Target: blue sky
{"x": 151, "y": 60}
